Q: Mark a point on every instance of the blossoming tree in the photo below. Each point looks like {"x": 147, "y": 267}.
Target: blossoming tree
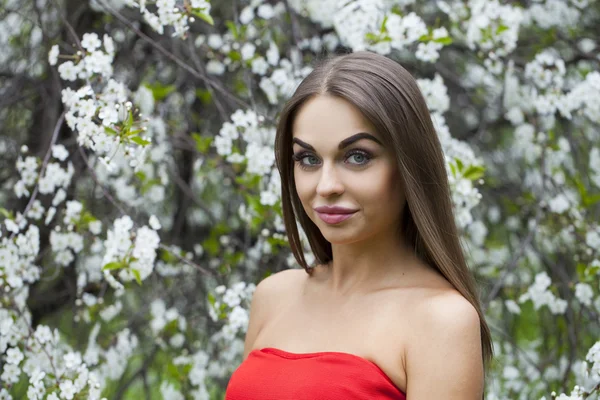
{"x": 140, "y": 201}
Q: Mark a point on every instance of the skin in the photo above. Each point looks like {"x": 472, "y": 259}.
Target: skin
{"x": 423, "y": 330}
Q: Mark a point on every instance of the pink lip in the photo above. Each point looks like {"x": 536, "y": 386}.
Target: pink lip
{"x": 334, "y": 218}
{"x": 334, "y": 210}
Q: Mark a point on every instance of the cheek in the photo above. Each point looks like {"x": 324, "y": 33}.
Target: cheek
{"x": 381, "y": 186}
{"x": 303, "y": 187}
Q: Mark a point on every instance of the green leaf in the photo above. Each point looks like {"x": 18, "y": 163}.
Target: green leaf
{"x": 474, "y": 172}
{"x": 452, "y": 168}
{"x": 87, "y": 217}
{"x": 134, "y": 132}
{"x": 110, "y": 131}
{"x": 581, "y": 271}
{"x": 501, "y": 28}
{"x": 204, "y": 96}
{"x": 6, "y": 213}
{"x": 160, "y": 91}
{"x": 235, "y": 55}
{"x": 371, "y": 37}
{"x": 167, "y": 256}
{"x": 141, "y": 176}
{"x": 173, "y": 372}
{"x": 202, "y": 143}
{"x": 148, "y": 184}
{"x": 459, "y": 164}
{"x": 443, "y": 40}
{"x": 396, "y": 9}
{"x": 382, "y": 29}
{"x": 205, "y": 17}
{"x": 140, "y": 141}
{"x": 128, "y": 122}
{"x": 114, "y": 265}
{"x": 211, "y": 246}
{"x": 136, "y": 275}
{"x": 424, "y": 38}
{"x": 591, "y": 200}
{"x": 233, "y": 29}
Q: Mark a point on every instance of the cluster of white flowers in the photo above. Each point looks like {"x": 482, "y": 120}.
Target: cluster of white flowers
{"x": 65, "y": 245}
{"x": 552, "y": 92}
{"x": 257, "y": 140}
{"x": 28, "y": 169}
{"x": 372, "y": 25}
{"x": 595, "y": 166}
{"x": 583, "y": 97}
{"x": 283, "y": 81}
{"x": 232, "y": 300}
{"x": 584, "y": 293}
{"x": 97, "y": 109}
{"x": 435, "y": 93}
{"x": 316, "y": 44}
{"x": 17, "y": 259}
{"x": 486, "y": 25}
{"x": 161, "y": 317}
{"x": 138, "y": 257}
{"x": 353, "y": 19}
{"x": 115, "y": 358}
{"x": 553, "y": 13}
{"x": 319, "y": 11}
{"x": 89, "y": 62}
{"x": 55, "y": 178}
{"x": 53, "y": 368}
{"x": 527, "y": 144}
{"x": 593, "y": 356}
{"x": 547, "y": 70}
{"x": 174, "y": 13}
{"x": 576, "y": 394}
{"x": 464, "y": 195}
{"x": 257, "y": 144}
{"x": 539, "y": 294}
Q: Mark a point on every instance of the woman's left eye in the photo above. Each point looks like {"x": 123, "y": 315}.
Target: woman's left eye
{"x": 361, "y": 157}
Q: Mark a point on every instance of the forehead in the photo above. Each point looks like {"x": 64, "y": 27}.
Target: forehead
{"x": 326, "y": 118}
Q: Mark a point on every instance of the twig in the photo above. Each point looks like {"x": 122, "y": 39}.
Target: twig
{"x": 171, "y": 56}
{"x": 44, "y": 165}
{"x": 95, "y": 178}
{"x": 183, "y": 185}
{"x": 295, "y": 30}
{"x": 196, "y": 60}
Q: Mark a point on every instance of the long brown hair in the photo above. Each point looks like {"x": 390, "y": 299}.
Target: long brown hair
{"x": 389, "y": 97}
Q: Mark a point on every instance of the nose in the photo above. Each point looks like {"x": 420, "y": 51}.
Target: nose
{"x": 329, "y": 182}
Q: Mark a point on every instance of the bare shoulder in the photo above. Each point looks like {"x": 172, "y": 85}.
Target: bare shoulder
{"x": 278, "y": 281}
{"x": 445, "y": 347}
{"x": 449, "y": 307}
{"x": 269, "y": 294}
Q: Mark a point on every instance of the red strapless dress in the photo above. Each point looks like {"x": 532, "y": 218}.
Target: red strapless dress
{"x": 274, "y": 374}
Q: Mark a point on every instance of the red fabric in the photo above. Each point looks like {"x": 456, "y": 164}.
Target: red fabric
{"x": 274, "y": 374}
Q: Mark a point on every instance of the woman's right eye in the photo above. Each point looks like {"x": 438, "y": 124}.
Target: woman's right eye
{"x": 298, "y": 158}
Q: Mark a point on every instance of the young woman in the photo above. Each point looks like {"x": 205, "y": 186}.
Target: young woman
{"x": 390, "y": 309}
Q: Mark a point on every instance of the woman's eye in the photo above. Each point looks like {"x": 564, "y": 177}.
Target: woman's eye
{"x": 355, "y": 157}
{"x": 360, "y": 158}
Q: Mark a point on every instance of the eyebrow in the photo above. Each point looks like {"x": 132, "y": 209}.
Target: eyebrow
{"x": 344, "y": 143}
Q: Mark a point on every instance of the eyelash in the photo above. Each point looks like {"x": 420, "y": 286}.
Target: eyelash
{"x": 299, "y": 157}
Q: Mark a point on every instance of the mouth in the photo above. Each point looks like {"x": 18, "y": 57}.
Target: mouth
{"x": 334, "y": 218}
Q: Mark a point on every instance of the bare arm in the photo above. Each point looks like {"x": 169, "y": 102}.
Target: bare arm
{"x": 267, "y": 296}
{"x": 444, "y": 359}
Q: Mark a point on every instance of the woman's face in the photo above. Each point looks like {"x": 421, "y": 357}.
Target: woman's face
{"x": 340, "y": 160}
